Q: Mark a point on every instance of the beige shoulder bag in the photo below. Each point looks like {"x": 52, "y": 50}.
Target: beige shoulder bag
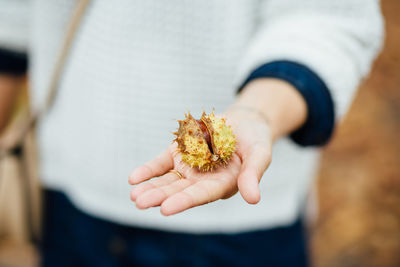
{"x": 20, "y": 210}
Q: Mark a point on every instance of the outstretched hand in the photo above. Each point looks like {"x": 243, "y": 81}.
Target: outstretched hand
{"x": 243, "y": 172}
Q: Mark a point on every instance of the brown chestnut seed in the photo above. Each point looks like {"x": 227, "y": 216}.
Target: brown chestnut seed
{"x": 206, "y": 134}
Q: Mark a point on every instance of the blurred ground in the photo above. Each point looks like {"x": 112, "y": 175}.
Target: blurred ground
{"x": 359, "y": 181}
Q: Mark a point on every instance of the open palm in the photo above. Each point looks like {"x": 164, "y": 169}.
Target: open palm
{"x": 174, "y": 195}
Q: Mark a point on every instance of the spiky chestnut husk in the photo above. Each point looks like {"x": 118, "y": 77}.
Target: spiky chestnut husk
{"x": 205, "y": 143}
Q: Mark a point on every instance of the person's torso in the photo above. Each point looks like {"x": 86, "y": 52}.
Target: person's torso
{"x": 134, "y": 68}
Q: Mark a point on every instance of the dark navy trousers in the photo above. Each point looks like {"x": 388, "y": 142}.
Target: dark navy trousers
{"x": 73, "y": 238}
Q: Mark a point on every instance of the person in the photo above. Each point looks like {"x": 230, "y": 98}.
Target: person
{"x": 280, "y": 71}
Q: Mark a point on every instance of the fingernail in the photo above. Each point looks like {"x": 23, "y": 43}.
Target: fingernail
{"x": 140, "y": 205}
{"x": 131, "y": 180}
{"x": 132, "y": 177}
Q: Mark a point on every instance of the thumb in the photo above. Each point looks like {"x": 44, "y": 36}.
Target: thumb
{"x": 254, "y": 165}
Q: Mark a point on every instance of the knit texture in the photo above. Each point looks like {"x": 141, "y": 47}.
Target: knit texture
{"x": 136, "y": 66}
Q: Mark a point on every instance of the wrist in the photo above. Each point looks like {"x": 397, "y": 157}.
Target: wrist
{"x": 247, "y": 113}
{"x": 317, "y": 126}
{"x": 275, "y": 101}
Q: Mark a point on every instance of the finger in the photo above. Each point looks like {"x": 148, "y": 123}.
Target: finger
{"x": 166, "y": 179}
{"x": 155, "y": 167}
{"x": 154, "y": 197}
{"x": 200, "y": 193}
{"x": 254, "y": 165}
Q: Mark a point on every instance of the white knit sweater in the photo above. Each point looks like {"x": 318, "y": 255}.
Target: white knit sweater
{"x": 137, "y": 65}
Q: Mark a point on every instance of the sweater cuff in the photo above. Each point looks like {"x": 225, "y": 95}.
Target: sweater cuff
{"x": 14, "y": 63}
{"x": 319, "y": 125}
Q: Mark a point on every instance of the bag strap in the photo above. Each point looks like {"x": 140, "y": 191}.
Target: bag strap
{"x": 12, "y": 142}
{"x": 66, "y": 47}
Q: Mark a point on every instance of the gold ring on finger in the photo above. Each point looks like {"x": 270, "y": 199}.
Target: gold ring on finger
{"x": 180, "y": 175}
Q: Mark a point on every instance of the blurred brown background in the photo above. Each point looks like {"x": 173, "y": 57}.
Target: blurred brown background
{"x": 359, "y": 180}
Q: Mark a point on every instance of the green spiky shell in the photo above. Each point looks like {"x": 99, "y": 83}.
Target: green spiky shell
{"x": 194, "y": 148}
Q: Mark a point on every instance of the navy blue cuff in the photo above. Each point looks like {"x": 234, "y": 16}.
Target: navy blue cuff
{"x": 13, "y": 62}
{"x": 318, "y": 128}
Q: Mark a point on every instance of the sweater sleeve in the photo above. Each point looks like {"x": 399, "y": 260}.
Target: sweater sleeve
{"x": 318, "y": 127}
{"x": 14, "y": 16}
{"x": 336, "y": 40}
